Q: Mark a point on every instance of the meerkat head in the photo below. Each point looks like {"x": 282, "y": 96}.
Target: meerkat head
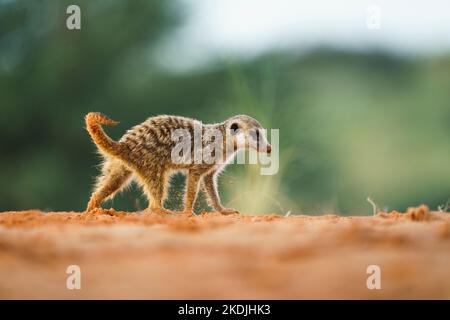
{"x": 247, "y": 133}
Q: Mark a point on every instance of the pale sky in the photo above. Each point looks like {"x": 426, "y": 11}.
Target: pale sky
{"x": 221, "y": 28}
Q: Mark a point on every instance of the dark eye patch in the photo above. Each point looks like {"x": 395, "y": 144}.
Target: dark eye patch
{"x": 254, "y": 134}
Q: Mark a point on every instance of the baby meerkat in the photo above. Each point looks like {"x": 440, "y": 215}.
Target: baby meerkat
{"x": 146, "y": 153}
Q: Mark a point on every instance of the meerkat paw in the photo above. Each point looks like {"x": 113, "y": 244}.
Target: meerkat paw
{"x": 227, "y": 211}
{"x": 161, "y": 211}
{"x": 93, "y": 210}
{"x": 100, "y": 210}
{"x": 93, "y": 205}
{"x": 189, "y": 213}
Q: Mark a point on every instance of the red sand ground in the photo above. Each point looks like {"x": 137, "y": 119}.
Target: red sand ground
{"x": 211, "y": 256}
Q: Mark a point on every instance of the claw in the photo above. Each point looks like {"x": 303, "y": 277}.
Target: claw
{"x": 228, "y": 211}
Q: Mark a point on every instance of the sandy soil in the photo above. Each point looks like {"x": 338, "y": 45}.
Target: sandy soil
{"x": 209, "y": 256}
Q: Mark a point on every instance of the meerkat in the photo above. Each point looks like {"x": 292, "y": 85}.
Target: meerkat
{"x": 144, "y": 153}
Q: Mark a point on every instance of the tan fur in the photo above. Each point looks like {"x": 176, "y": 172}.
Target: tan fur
{"x": 144, "y": 153}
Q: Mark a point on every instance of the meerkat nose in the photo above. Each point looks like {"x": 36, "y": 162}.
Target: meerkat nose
{"x": 269, "y": 148}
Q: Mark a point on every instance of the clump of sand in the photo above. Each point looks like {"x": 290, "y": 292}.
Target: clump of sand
{"x": 421, "y": 213}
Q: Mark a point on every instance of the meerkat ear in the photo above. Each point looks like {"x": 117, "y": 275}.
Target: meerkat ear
{"x": 234, "y": 127}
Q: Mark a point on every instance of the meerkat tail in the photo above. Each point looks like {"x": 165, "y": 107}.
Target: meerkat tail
{"x": 94, "y": 120}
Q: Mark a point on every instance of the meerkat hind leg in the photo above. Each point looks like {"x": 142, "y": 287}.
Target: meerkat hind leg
{"x": 115, "y": 176}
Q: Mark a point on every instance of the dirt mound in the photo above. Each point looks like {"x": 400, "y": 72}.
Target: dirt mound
{"x": 421, "y": 213}
{"x": 147, "y": 255}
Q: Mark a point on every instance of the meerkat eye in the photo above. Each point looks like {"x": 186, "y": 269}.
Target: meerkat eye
{"x": 234, "y": 127}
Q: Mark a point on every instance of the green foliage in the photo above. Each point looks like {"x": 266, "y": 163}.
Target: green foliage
{"x": 351, "y": 124}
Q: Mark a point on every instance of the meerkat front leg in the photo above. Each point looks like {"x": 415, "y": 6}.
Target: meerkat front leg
{"x": 210, "y": 184}
{"x": 155, "y": 185}
{"x": 192, "y": 186}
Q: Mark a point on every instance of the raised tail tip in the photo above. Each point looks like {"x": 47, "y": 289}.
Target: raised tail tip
{"x": 97, "y": 117}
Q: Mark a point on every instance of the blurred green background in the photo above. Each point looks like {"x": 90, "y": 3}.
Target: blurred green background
{"x": 352, "y": 124}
